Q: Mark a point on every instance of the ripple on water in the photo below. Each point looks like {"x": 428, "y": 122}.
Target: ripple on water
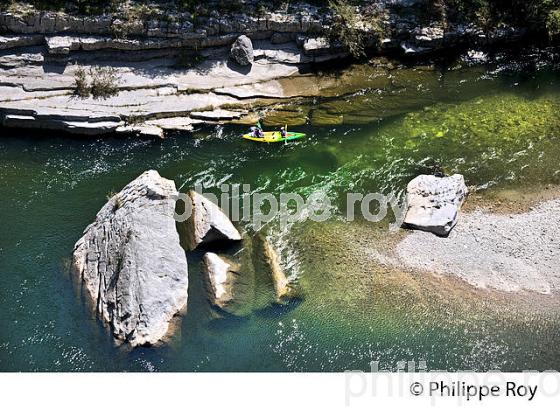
{"x": 497, "y": 134}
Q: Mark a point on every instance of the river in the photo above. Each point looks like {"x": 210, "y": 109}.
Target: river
{"x": 497, "y": 124}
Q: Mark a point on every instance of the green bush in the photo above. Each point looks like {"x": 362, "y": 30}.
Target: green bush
{"x": 81, "y": 83}
{"x": 98, "y": 82}
{"x": 490, "y": 13}
{"x": 343, "y": 28}
{"x": 553, "y": 23}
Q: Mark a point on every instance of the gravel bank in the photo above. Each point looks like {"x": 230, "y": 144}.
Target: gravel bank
{"x": 507, "y": 252}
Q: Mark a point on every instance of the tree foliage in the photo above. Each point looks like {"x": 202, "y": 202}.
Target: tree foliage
{"x": 344, "y": 27}
{"x": 534, "y": 14}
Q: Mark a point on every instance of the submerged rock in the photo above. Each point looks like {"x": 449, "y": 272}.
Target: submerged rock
{"x": 283, "y": 289}
{"x": 219, "y": 277}
{"x": 279, "y": 280}
{"x": 242, "y": 51}
{"x": 246, "y": 279}
{"x": 207, "y": 223}
{"x": 434, "y": 202}
{"x": 131, "y": 264}
{"x": 230, "y": 284}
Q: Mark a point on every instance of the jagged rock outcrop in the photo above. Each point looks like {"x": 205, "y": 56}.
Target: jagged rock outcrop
{"x": 184, "y": 24}
{"x": 283, "y": 289}
{"x": 207, "y": 223}
{"x": 316, "y": 45}
{"x": 434, "y": 202}
{"x": 63, "y": 45}
{"x": 247, "y": 279}
{"x": 182, "y": 29}
{"x": 130, "y": 263}
{"x": 279, "y": 280}
{"x": 230, "y": 282}
{"x": 219, "y": 275}
{"x": 242, "y": 51}
{"x": 13, "y": 41}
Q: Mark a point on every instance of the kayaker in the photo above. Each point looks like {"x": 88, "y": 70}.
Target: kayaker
{"x": 258, "y": 132}
{"x": 283, "y": 131}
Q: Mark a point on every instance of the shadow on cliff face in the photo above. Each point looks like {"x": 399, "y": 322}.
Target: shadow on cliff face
{"x": 54, "y": 68}
{"x": 245, "y": 70}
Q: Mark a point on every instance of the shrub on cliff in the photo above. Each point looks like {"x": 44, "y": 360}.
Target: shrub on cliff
{"x": 98, "y": 82}
{"x": 104, "y": 82}
{"x": 553, "y": 23}
{"x": 344, "y": 28}
{"x": 81, "y": 83}
{"x": 537, "y": 15}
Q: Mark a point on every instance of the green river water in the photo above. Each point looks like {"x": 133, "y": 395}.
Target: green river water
{"x": 499, "y": 125}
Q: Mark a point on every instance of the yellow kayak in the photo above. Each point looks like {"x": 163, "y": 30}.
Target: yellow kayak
{"x": 274, "y": 136}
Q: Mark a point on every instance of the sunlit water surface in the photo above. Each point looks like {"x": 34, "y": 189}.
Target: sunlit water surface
{"x": 500, "y": 128}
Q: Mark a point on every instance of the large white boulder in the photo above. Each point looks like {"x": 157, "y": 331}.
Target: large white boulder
{"x": 130, "y": 262}
{"x": 434, "y": 202}
{"x": 207, "y": 223}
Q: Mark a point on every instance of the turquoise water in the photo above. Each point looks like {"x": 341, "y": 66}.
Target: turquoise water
{"x": 501, "y": 132}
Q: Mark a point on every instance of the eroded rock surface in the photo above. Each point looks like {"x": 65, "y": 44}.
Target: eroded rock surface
{"x": 230, "y": 283}
{"x": 151, "y": 94}
{"x": 434, "y": 202}
{"x": 207, "y": 223}
{"x": 219, "y": 277}
{"x": 279, "y": 280}
{"x": 266, "y": 255}
{"x": 130, "y": 262}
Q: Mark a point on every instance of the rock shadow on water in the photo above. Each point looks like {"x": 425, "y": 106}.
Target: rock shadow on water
{"x": 275, "y": 310}
{"x": 224, "y": 320}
